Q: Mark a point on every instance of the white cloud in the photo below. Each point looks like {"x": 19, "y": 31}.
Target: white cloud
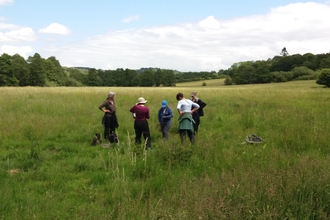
{"x": 55, "y": 28}
{"x": 210, "y": 22}
{"x": 207, "y": 45}
{"x": 131, "y": 18}
{"x": 17, "y": 35}
{"x": 24, "y": 51}
{"x": 4, "y": 26}
{"x": 6, "y": 2}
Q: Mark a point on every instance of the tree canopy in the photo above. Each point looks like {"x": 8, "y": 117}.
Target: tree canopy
{"x": 38, "y": 71}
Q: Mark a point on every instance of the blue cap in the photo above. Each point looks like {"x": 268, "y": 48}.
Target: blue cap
{"x": 164, "y": 103}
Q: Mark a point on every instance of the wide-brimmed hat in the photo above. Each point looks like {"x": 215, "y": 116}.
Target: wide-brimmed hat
{"x": 111, "y": 94}
{"x": 164, "y": 103}
{"x": 141, "y": 100}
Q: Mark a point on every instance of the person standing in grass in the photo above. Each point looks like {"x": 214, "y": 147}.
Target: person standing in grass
{"x": 165, "y": 115}
{"x": 141, "y": 114}
{"x": 186, "y": 108}
{"x": 110, "y": 121}
{"x": 197, "y": 114}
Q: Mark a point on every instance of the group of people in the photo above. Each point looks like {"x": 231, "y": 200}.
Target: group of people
{"x": 190, "y": 111}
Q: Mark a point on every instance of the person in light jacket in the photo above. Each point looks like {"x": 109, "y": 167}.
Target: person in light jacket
{"x": 186, "y": 108}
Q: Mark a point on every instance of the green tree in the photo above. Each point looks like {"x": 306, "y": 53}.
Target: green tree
{"x": 52, "y": 78}
{"x": 325, "y": 63}
{"x": 147, "y": 78}
{"x": 262, "y": 72}
{"x": 310, "y": 61}
{"x": 245, "y": 74}
{"x": 129, "y": 77}
{"x": 168, "y": 78}
{"x": 93, "y": 79}
{"x": 324, "y": 78}
{"x": 159, "y": 77}
{"x": 38, "y": 73}
{"x": 77, "y": 75}
{"x": 6, "y": 74}
{"x": 228, "y": 81}
{"x": 21, "y": 69}
{"x": 58, "y": 75}
{"x": 284, "y": 52}
{"x": 301, "y": 71}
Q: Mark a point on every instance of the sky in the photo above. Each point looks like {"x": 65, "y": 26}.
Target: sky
{"x": 183, "y": 35}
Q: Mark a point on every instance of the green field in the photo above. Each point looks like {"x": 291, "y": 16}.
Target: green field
{"x": 49, "y": 170}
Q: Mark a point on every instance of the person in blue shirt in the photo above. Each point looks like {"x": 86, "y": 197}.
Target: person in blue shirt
{"x": 165, "y": 115}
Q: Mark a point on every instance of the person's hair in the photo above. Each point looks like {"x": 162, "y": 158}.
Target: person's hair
{"x": 179, "y": 95}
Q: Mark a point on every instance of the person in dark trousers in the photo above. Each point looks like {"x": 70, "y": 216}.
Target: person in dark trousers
{"x": 197, "y": 114}
{"x": 165, "y": 115}
{"x": 186, "y": 108}
{"x": 141, "y": 114}
{"x": 109, "y": 120}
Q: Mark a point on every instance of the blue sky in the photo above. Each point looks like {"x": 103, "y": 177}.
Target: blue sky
{"x": 186, "y": 35}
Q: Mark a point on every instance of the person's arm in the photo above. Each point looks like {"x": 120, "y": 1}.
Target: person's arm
{"x": 170, "y": 113}
{"x": 195, "y": 107}
{"x": 148, "y": 113}
{"x": 102, "y": 107}
{"x": 201, "y": 103}
{"x": 178, "y": 107}
{"x": 159, "y": 115}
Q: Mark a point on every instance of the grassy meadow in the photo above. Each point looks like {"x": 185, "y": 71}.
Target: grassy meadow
{"x": 49, "y": 170}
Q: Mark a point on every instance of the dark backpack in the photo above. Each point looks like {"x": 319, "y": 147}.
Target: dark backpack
{"x": 96, "y": 139}
{"x": 113, "y": 138}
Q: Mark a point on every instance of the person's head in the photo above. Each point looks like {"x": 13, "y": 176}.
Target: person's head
{"x": 111, "y": 95}
{"x": 141, "y": 101}
{"x": 179, "y": 96}
{"x": 164, "y": 103}
{"x": 193, "y": 95}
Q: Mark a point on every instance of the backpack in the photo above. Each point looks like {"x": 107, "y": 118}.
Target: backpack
{"x": 113, "y": 138}
{"x": 96, "y": 139}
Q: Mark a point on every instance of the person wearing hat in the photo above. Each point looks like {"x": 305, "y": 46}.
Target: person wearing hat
{"x": 141, "y": 114}
{"x": 165, "y": 115}
{"x": 109, "y": 121}
{"x": 186, "y": 108}
{"x": 196, "y": 115}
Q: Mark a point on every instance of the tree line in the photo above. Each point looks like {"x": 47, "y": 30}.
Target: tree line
{"x": 278, "y": 69}
{"x": 38, "y": 71}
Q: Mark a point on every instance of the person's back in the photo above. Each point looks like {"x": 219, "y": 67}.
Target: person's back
{"x": 185, "y": 105}
{"x": 141, "y": 112}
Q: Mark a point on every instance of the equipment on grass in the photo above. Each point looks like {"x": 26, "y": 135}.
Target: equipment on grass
{"x": 253, "y": 139}
{"x": 96, "y": 139}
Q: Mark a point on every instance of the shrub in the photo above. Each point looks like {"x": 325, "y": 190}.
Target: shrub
{"x": 204, "y": 84}
{"x": 324, "y": 78}
{"x": 228, "y": 81}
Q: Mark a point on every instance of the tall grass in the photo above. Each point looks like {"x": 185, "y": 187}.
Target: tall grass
{"x": 48, "y": 170}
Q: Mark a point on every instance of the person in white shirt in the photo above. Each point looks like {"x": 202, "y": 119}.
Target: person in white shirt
{"x": 186, "y": 108}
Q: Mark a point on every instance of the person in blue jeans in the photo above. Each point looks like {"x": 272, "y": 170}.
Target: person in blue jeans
{"x": 165, "y": 115}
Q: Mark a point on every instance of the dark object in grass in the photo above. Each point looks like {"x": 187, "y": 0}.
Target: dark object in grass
{"x": 253, "y": 139}
{"x": 96, "y": 139}
{"x": 113, "y": 138}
